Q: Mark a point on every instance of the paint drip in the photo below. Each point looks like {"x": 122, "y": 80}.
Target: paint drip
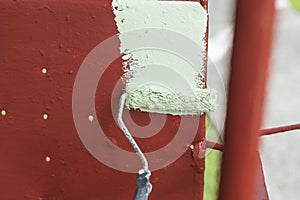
{"x": 160, "y": 79}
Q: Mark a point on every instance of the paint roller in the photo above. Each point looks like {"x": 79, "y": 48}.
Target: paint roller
{"x": 161, "y": 81}
{"x": 150, "y": 100}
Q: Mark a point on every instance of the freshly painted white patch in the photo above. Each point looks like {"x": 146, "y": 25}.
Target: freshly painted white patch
{"x": 159, "y": 80}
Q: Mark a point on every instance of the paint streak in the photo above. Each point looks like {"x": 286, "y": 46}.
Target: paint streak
{"x": 159, "y": 80}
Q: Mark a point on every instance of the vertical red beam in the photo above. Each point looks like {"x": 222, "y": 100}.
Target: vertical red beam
{"x": 199, "y": 163}
{"x": 250, "y": 60}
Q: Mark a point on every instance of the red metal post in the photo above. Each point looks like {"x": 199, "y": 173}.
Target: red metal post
{"x": 251, "y": 51}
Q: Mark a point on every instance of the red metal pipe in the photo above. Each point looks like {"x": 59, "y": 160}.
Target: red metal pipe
{"x": 209, "y": 144}
{"x": 281, "y": 129}
{"x": 250, "y": 61}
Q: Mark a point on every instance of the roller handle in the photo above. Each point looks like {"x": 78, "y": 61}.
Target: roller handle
{"x": 143, "y": 185}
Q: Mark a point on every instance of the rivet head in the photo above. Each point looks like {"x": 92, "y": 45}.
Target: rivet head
{"x": 91, "y": 118}
{"x": 47, "y": 158}
{"x": 44, "y": 70}
{"x": 45, "y": 116}
{"x": 3, "y": 112}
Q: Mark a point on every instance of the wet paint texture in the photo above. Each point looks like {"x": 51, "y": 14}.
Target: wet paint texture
{"x": 151, "y": 99}
{"x": 58, "y": 35}
{"x": 160, "y": 89}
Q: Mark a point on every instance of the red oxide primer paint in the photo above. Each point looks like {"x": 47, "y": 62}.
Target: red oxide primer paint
{"x": 43, "y": 43}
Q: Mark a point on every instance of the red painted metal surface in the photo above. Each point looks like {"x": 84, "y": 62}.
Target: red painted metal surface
{"x": 264, "y": 132}
{"x": 260, "y": 192}
{"x": 45, "y": 159}
{"x": 251, "y": 51}
{"x": 281, "y": 129}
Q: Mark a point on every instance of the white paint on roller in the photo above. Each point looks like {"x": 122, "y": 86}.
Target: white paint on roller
{"x": 158, "y": 80}
{"x": 163, "y": 101}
